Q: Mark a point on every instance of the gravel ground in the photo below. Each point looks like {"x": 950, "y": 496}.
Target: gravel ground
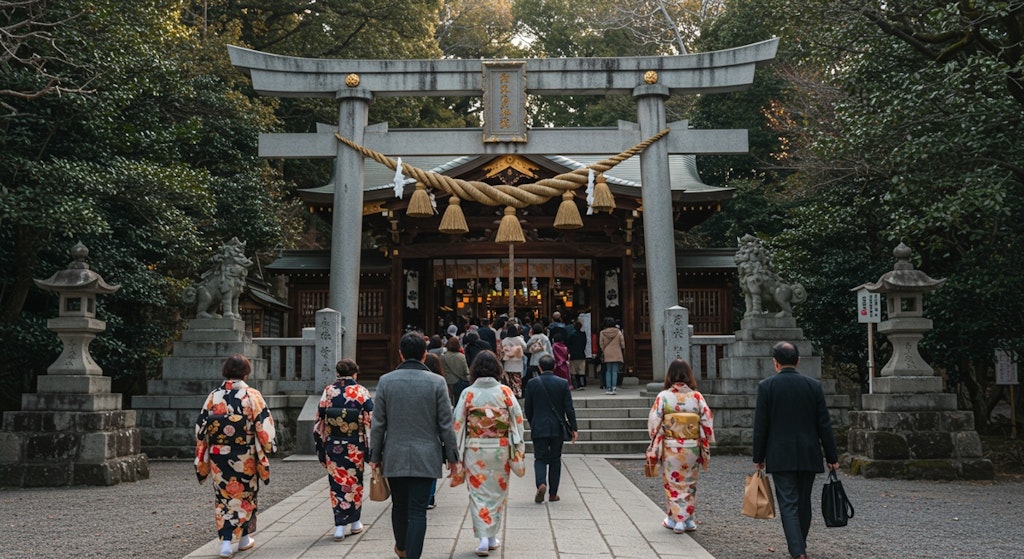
{"x": 170, "y": 515}
{"x": 893, "y": 518}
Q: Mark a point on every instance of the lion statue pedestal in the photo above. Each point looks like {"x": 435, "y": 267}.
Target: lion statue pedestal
{"x": 733, "y": 393}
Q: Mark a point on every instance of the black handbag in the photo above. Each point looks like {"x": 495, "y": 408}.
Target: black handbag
{"x": 835, "y": 506}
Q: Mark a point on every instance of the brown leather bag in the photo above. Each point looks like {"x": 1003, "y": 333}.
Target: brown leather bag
{"x": 651, "y": 469}
{"x": 379, "y": 488}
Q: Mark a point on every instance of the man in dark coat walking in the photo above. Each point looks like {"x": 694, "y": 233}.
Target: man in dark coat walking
{"x": 791, "y": 425}
{"x": 488, "y": 335}
{"x": 548, "y": 404}
{"x": 473, "y": 345}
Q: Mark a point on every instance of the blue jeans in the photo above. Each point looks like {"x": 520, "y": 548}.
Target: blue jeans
{"x": 611, "y": 375}
{"x": 409, "y": 498}
{"x": 793, "y": 493}
{"x": 547, "y": 462}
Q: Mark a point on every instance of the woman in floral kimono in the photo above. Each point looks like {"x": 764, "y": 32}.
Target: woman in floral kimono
{"x": 234, "y": 435}
{"x": 681, "y": 430}
{"x": 513, "y": 349}
{"x": 341, "y": 435}
{"x": 489, "y": 431}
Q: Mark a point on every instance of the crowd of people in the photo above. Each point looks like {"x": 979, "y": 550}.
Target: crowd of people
{"x": 460, "y": 407}
{"x": 520, "y": 344}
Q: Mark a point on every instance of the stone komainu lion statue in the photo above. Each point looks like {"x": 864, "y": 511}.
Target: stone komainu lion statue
{"x": 222, "y": 283}
{"x": 762, "y": 288}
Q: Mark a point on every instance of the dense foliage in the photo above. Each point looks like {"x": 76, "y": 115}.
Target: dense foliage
{"x": 150, "y": 165}
{"x": 897, "y": 122}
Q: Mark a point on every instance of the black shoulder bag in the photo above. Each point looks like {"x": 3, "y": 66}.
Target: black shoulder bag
{"x": 566, "y": 428}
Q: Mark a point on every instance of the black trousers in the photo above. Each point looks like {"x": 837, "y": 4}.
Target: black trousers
{"x": 409, "y": 498}
{"x": 547, "y": 462}
{"x": 793, "y": 493}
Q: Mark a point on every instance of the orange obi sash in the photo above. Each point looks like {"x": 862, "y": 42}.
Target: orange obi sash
{"x": 487, "y": 422}
{"x": 681, "y": 425}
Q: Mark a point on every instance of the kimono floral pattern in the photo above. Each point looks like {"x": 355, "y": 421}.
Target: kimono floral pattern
{"x": 234, "y": 435}
{"x": 680, "y": 446}
{"x": 341, "y": 439}
{"x": 489, "y": 430}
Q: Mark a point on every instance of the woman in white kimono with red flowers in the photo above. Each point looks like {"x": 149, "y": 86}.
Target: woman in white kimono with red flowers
{"x": 341, "y": 435}
{"x": 234, "y": 435}
{"x": 682, "y": 431}
{"x": 489, "y": 430}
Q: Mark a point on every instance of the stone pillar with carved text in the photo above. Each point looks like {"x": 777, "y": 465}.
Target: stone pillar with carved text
{"x": 677, "y": 343}
{"x": 329, "y": 346}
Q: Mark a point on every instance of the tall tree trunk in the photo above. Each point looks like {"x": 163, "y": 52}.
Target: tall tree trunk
{"x": 976, "y": 391}
{"x": 27, "y": 241}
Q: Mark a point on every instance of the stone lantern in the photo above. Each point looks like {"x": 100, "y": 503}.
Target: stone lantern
{"x": 76, "y": 323}
{"x": 72, "y": 431}
{"x": 909, "y": 428}
{"x": 904, "y": 289}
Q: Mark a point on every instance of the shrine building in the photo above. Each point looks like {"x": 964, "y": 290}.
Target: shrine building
{"x": 412, "y": 275}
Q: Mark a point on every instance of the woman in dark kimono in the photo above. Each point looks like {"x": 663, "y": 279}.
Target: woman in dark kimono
{"x": 341, "y": 434}
{"x": 234, "y": 435}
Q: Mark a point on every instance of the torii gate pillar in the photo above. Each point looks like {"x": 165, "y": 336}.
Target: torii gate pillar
{"x": 659, "y": 239}
{"x": 347, "y": 230}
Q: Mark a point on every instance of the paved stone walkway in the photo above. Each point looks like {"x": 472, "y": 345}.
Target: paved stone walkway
{"x": 601, "y": 514}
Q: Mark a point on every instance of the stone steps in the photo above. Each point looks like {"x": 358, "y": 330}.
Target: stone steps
{"x": 608, "y": 425}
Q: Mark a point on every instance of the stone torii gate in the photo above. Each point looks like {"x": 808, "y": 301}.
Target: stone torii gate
{"x": 504, "y": 85}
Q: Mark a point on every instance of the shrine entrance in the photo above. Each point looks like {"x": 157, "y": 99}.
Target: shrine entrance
{"x": 478, "y": 288}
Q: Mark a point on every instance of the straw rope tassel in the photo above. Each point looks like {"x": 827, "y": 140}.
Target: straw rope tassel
{"x": 509, "y": 230}
{"x": 419, "y": 203}
{"x": 568, "y": 216}
{"x": 454, "y": 221}
{"x": 604, "y": 201}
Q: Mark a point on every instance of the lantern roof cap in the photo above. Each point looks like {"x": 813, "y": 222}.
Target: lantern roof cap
{"x": 77, "y": 276}
{"x": 903, "y": 277}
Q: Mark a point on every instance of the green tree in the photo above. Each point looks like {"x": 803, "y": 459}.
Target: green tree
{"x": 477, "y": 29}
{"x": 149, "y": 168}
{"x": 917, "y": 135}
{"x": 368, "y": 29}
{"x": 559, "y": 28}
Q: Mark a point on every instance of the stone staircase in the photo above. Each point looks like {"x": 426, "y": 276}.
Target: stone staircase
{"x": 608, "y": 424}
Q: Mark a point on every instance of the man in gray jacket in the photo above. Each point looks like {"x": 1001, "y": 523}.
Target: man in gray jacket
{"x": 410, "y": 436}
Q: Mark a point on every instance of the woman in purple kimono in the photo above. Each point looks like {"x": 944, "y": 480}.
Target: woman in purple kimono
{"x": 234, "y": 435}
{"x": 341, "y": 435}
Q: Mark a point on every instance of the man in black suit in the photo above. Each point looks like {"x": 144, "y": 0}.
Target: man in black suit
{"x": 791, "y": 425}
{"x": 487, "y": 334}
{"x": 548, "y": 404}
